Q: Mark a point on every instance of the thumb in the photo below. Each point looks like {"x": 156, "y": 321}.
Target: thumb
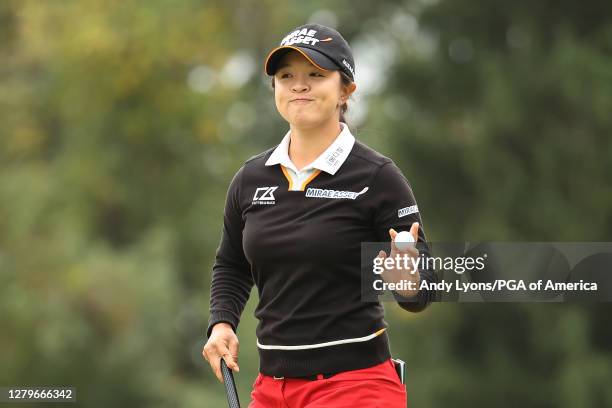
{"x": 230, "y": 362}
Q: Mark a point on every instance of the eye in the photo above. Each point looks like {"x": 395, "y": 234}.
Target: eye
{"x": 285, "y": 75}
{"x": 317, "y": 74}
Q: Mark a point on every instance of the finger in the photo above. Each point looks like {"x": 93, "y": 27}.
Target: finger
{"x": 209, "y": 350}
{"x": 205, "y": 354}
{"x": 382, "y": 255}
{"x": 230, "y": 360}
{"x": 414, "y": 230}
{"x": 221, "y": 352}
{"x": 215, "y": 363}
{"x": 234, "y": 347}
{"x": 392, "y": 234}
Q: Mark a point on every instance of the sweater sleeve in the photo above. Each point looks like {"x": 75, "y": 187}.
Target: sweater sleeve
{"x": 395, "y": 207}
{"x": 231, "y": 273}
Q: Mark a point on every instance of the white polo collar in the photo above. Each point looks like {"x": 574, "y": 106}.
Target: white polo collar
{"x": 329, "y": 161}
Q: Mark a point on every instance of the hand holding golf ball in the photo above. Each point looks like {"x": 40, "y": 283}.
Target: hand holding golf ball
{"x": 404, "y": 240}
{"x": 403, "y": 244}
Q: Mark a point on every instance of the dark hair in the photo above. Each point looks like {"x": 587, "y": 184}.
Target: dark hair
{"x": 345, "y": 80}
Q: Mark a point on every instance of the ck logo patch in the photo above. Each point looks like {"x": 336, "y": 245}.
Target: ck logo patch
{"x": 264, "y": 195}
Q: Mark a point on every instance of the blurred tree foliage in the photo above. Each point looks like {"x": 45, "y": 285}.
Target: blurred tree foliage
{"x": 123, "y": 123}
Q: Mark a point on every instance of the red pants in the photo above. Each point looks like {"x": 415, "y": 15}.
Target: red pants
{"x": 377, "y": 386}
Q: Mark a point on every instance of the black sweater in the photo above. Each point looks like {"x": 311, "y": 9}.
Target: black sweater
{"x": 302, "y": 251}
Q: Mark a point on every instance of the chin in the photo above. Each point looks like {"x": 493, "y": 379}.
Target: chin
{"x": 305, "y": 121}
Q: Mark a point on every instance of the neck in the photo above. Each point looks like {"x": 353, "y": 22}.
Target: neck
{"x": 309, "y": 143}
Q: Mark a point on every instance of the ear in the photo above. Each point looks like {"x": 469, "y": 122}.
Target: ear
{"x": 347, "y": 91}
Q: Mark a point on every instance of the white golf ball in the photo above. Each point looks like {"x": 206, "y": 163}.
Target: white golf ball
{"x": 404, "y": 240}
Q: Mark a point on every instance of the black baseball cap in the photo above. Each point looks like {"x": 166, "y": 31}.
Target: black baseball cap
{"x": 324, "y": 47}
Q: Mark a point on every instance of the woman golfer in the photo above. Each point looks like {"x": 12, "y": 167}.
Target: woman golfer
{"x": 294, "y": 221}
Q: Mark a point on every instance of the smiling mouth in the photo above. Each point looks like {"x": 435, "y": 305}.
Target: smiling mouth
{"x": 301, "y": 100}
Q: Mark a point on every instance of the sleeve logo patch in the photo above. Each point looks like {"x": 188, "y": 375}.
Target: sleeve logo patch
{"x": 402, "y": 212}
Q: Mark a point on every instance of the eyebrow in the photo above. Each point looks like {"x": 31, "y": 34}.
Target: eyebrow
{"x": 287, "y": 65}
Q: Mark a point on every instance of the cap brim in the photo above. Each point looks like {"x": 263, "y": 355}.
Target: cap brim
{"x": 316, "y": 58}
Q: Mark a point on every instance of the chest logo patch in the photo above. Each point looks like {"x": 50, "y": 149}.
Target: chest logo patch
{"x": 337, "y": 194}
{"x": 264, "y": 195}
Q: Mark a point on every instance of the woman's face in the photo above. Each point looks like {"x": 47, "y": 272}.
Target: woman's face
{"x": 305, "y": 95}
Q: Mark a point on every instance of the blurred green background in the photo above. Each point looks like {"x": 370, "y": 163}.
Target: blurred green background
{"x": 123, "y": 122}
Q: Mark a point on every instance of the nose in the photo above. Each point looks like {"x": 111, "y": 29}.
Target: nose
{"x": 300, "y": 84}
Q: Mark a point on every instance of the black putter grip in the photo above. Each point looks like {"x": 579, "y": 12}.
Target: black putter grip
{"x": 230, "y": 386}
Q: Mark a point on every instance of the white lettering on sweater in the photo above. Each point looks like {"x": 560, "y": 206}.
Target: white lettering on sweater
{"x": 338, "y": 194}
